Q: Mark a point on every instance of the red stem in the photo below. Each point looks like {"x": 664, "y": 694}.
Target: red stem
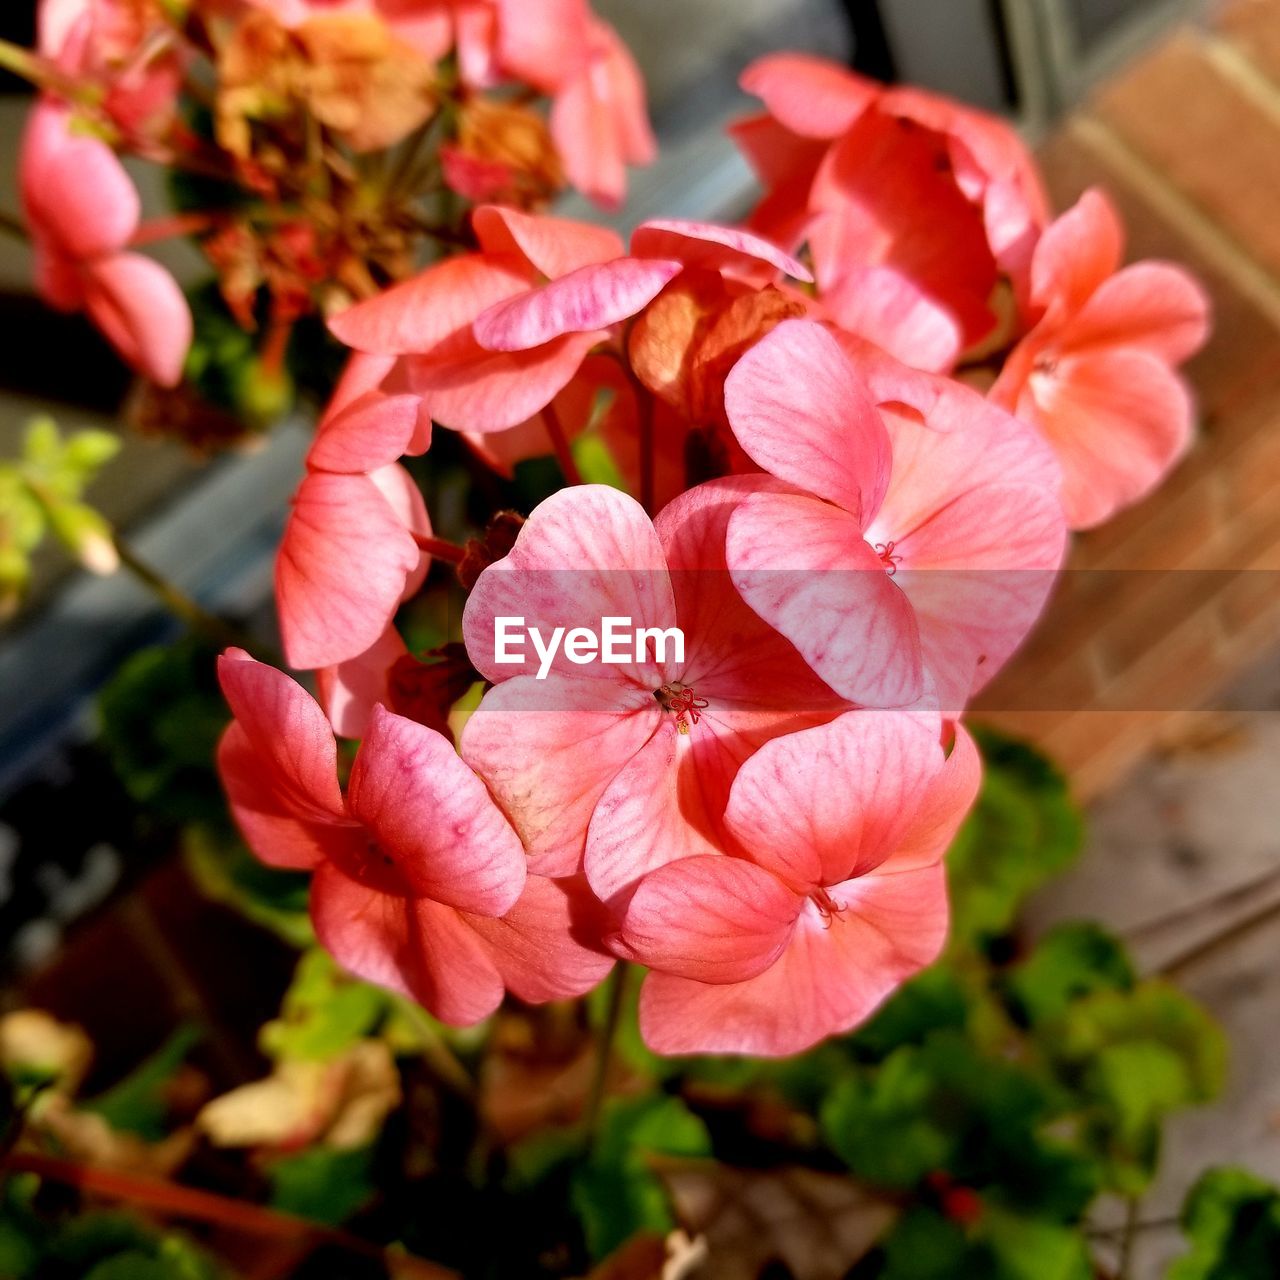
{"x": 177, "y": 224}
{"x": 441, "y": 549}
{"x": 560, "y": 443}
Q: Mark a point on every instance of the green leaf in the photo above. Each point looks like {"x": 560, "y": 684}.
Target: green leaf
{"x": 42, "y": 444}
{"x": 1232, "y": 1220}
{"x": 614, "y": 1192}
{"x": 89, "y": 451}
{"x": 323, "y": 1185}
{"x": 927, "y": 1246}
{"x": 1070, "y": 962}
{"x": 324, "y": 1012}
{"x": 1034, "y": 1249}
{"x": 138, "y": 1104}
{"x": 1024, "y": 829}
{"x": 933, "y": 1001}
{"x": 1134, "y": 1057}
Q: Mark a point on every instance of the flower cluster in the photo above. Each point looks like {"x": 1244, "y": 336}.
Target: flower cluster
{"x": 855, "y": 434}
{"x": 321, "y": 146}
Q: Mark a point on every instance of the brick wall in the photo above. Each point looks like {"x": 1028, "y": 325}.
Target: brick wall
{"x": 1170, "y": 601}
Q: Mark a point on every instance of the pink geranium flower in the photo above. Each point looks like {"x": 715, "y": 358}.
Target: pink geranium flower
{"x": 471, "y": 386}
{"x": 351, "y": 547}
{"x": 419, "y": 882}
{"x": 1095, "y": 374}
{"x": 912, "y": 205}
{"x": 624, "y": 767}
{"x": 895, "y": 552}
{"x": 838, "y": 895}
{"x": 83, "y": 210}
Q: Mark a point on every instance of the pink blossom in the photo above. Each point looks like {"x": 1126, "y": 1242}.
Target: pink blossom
{"x": 912, "y": 205}
{"x": 83, "y": 210}
{"x": 895, "y": 547}
{"x": 472, "y": 386}
{"x": 837, "y": 896}
{"x": 350, "y": 552}
{"x": 1095, "y": 374}
{"x": 419, "y": 882}
{"x": 620, "y": 768}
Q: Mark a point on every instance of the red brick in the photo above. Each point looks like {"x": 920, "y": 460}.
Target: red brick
{"x": 1212, "y": 142}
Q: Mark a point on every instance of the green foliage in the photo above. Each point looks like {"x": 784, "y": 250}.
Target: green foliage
{"x": 161, "y": 717}
{"x": 42, "y": 493}
{"x": 615, "y": 1192}
{"x": 1071, "y": 961}
{"x": 323, "y": 1184}
{"x": 324, "y": 1012}
{"x": 1232, "y": 1220}
{"x": 1024, "y": 830}
{"x": 139, "y": 1103}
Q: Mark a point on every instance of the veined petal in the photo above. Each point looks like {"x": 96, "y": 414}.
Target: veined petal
{"x": 814, "y": 97}
{"x": 430, "y": 813}
{"x": 798, "y": 410}
{"x": 711, "y": 247}
{"x": 1076, "y": 253}
{"x": 591, "y": 298}
{"x": 142, "y": 312}
{"x": 711, "y": 919}
{"x": 350, "y": 690}
{"x": 553, "y": 246}
{"x": 368, "y": 433}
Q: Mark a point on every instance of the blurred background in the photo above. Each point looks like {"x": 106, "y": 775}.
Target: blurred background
{"x": 1168, "y": 683}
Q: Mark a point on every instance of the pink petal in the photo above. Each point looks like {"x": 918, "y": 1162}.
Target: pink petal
{"x": 415, "y": 317}
{"x": 343, "y": 565}
{"x": 657, "y": 809}
{"x": 142, "y": 312}
{"x": 349, "y": 691}
{"x": 585, "y": 553}
{"x": 548, "y": 749}
{"x": 281, "y": 831}
{"x": 942, "y": 809}
{"x": 786, "y": 812}
{"x": 710, "y": 919}
{"x": 74, "y": 189}
{"x": 552, "y": 246}
{"x": 832, "y": 976}
{"x": 547, "y": 947}
{"x": 542, "y": 44}
{"x": 479, "y": 390}
{"x": 890, "y": 309}
{"x": 282, "y": 723}
{"x": 590, "y": 298}
{"x": 415, "y": 947}
{"x": 371, "y": 432}
{"x": 430, "y": 813}
{"x": 811, "y": 96}
{"x": 401, "y": 493}
{"x": 709, "y": 247}
{"x": 1151, "y": 305}
{"x": 1077, "y": 252}
{"x": 800, "y": 413}
{"x": 804, "y": 567}
{"x": 361, "y": 374}
{"x": 1118, "y": 421}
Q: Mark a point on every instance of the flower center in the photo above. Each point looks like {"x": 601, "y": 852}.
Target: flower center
{"x": 681, "y": 701}
{"x": 828, "y": 907}
{"x": 888, "y": 558}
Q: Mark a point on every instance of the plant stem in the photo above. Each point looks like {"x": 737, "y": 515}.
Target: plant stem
{"x": 14, "y": 227}
{"x": 439, "y": 1058}
{"x": 1224, "y": 938}
{"x": 176, "y": 600}
{"x": 617, "y": 990}
{"x": 560, "y": 443}
{"x": 441, "y": 549}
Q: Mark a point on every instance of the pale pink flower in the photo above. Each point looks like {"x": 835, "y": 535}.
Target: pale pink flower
{"x": 1095, "y": 374}
{"x": 419, "y": 882}
{"x": 82, "y": 211}
{"x": 912, "y": 205}
{"x": 895, "y": 547}
{"x": 350, "y": 552}
{"x": 837, "y": 896}
{"x": 622, "y": 767}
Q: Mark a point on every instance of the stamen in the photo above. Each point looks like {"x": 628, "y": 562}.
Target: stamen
{"x": 887, "y": 557}
{"x": 681, "y": 699}
{"x": 828, "y": 907}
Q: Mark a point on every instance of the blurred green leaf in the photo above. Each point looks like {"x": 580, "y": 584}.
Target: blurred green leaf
{"x": 323, "y": 1185}
{"x": 1033, "y": 1249}
{"x": 934, "y": 1001}
{"x": 1024, "y": 829}
{"x": 1232, "y": 1220}
{"x": 614, "y": 1192}
{"x": 138, "y": 1104}
{"x": 324, "y": 1012}
{"x": 1069, "y": 963}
